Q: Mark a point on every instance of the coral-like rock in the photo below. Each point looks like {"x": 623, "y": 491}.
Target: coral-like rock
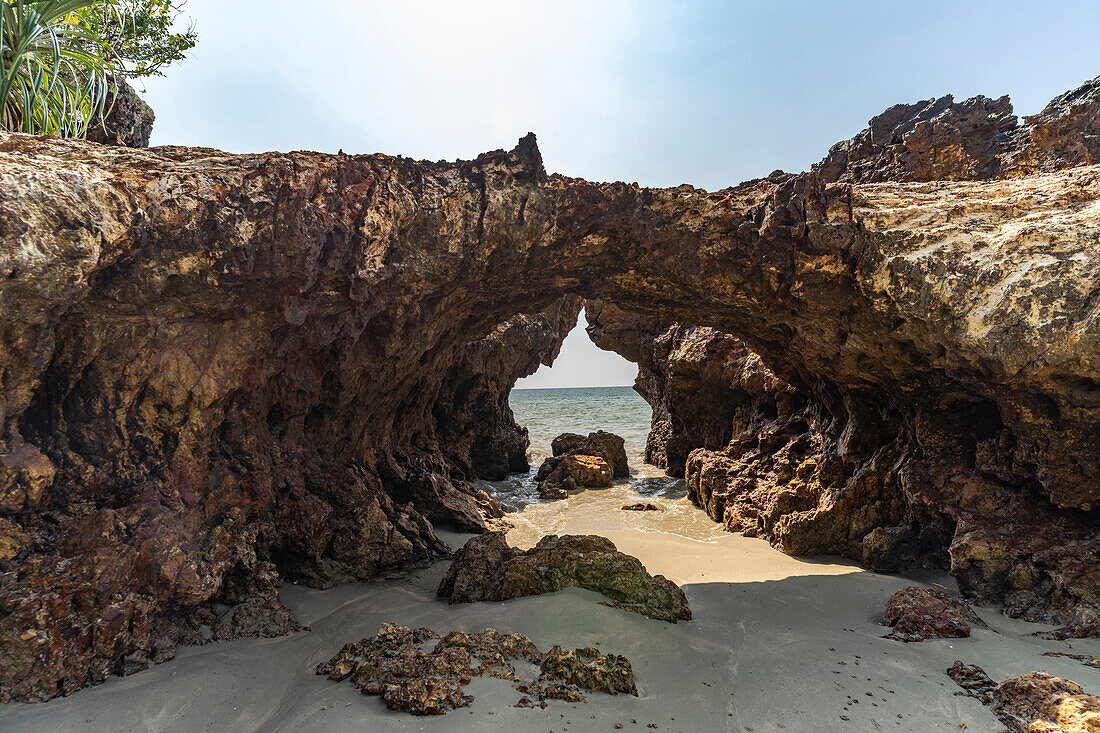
{"x": 1021, "y": 701}
{"x": 396, "y": 664}
{"x": 916, "y": 614}
{"x": 586, "y": 669}
{"x": 487, "y": 569}
{"x": 1034, "y": 703}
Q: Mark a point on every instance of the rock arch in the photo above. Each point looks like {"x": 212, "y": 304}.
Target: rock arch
{"x": 219, "y": 369}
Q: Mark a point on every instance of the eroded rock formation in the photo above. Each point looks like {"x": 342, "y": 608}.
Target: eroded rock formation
{"x": 398, "y": 665}
{"x": 772, "y": 449}
{"x": 1036, "y": 702}
{"x": 487, "y": 569}
{"x": 223, "y": 370}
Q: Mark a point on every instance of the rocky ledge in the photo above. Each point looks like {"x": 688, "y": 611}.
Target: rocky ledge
{"x": 488, "y": 569}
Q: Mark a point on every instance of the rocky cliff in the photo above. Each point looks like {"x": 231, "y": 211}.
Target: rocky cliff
{"x": 753, "y": 444}
{"x": 223, "y": 370}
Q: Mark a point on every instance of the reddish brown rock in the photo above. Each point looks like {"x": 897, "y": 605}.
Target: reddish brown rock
{"x": 226, "y": 356}
{"x": 973, "y": 680}
{"x": 641, "y": 507}
{"x": 1020, "y": 702}
{"x": 1034, "y": 703}
{"x": 916, "y": 614}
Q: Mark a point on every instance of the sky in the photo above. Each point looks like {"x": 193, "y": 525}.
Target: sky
{"x": 662, "y": 93}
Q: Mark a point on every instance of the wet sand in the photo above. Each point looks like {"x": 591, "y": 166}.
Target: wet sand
{"x": 777, "y": 643}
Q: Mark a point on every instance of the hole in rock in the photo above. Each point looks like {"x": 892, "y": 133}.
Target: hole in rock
{"x": 585, "y": 390}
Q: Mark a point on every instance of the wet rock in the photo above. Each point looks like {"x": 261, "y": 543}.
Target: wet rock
{"x": 561, "y": 474}
{"x": 608, "y": 446}
{"x": 397, "y": 664}
{"x": 916, "y": 614}
{"x": 641, "y": 507}
{"x": 486, "y": 569}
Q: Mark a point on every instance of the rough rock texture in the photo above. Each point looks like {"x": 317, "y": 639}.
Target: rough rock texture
{"x": 944, "y": 140}
{"x": 559, "y": 475}
{"x": 641, "y": 507}
{"x": 487, "y": 569}
{"x": 974, "y": 681}
{"x": 396, "y": 664}
{"x": 898, "y": 458}
{"x": 475, "y": 423}
{"x": 608, "y": 446}
{"x": 213, "y": 364}
{"x": 916, "y": 614}
{"x": 129, "y": 122}
{"x": 1034, "y": 703}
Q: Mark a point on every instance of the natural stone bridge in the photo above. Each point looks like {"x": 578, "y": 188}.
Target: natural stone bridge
{"x": 220, "y": 370}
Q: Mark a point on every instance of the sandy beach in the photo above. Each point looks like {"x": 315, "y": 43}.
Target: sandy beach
{"x": 776, "y": 643}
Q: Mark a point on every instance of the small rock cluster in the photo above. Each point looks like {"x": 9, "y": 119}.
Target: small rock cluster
{"x": 488, "y": 569}
{"x": 1037, "y": 702}
{"x": 640, "y": 507}
{"x": 582, "y": 462}
{"x": 916, "y": 614}
{"x": 397, "y": 665}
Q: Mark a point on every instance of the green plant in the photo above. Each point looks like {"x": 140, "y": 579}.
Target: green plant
{"x": 60, "y": 59}
{"x": 147, "y": 41}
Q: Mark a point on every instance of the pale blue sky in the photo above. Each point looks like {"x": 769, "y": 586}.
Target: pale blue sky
{"x": 663, "y": 93}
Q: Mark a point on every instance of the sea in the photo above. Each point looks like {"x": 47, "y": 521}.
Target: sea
{"x": 547, "y": 413}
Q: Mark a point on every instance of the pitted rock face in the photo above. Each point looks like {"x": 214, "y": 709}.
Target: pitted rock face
{"x": 235, "y": 361}
{"x": 487, "y": 569}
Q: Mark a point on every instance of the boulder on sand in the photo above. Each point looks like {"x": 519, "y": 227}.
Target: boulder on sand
{"x": 916, "y": 614}
{"x": 487, "y": 569}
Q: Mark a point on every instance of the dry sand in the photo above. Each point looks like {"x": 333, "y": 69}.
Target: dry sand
{"x": 777, "y": 643}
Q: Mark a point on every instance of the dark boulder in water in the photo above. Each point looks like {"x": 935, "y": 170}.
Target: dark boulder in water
{"x": 561, "y": 474}
{"x": 608, "y": 446}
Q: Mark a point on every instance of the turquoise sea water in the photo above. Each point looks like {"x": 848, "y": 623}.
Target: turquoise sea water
{"x": 548, "y": 413}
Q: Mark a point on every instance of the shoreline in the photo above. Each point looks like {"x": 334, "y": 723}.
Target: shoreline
{"x": 777, "y": 642}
